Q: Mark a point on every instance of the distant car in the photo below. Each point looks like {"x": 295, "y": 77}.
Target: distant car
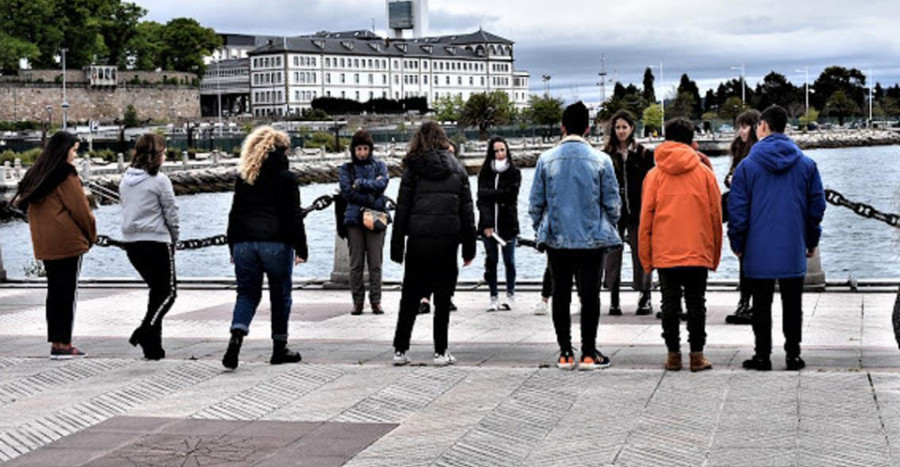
{"x": 726, "y": 128}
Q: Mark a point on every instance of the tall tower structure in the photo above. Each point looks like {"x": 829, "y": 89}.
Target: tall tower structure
{"x": 408, "y": 15}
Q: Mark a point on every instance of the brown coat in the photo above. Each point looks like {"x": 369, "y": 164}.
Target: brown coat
{"x": 62, "y": 224}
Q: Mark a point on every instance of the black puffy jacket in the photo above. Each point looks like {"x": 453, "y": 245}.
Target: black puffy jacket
{"x": 269, "y": 210}
{"x": 498, "y": 196}
{"x": 630, "y": 174}
{"x": 434, "y": 201}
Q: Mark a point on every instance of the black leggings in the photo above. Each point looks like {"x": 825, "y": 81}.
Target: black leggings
{"x": 62, "y": 295}
{"x": 155, "y": 262}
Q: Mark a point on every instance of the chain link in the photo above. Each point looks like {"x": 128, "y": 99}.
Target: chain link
{"x": 861, "y": 209}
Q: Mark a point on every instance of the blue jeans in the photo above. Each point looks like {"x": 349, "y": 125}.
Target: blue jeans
{"x": 490, "y": 264}
{"x": 251, "y": 261}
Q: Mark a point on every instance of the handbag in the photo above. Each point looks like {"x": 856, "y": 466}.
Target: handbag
{"x": 375, "y": 220}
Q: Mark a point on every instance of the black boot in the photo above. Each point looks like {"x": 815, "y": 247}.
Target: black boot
{"x": 614, "y": 309}
{"x": 230, "y": 360}
{"x": 282, "y": 354}
{"x": 742, "y": 315}
{"x": 152, "y": 344}
{"x": 645, "y": 305}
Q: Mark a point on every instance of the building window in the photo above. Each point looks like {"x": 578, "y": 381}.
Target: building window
{"x": 448, "y": 81}
{"x": 343, "y": 78}
{"x": 371, "y": 79}
{"x": 342, "y": 63}
{"x": 296, "y": 61}
{"x": 343, "y": 95}
{"x": 357, "y": 96}
{"x": 327, "y": 62}
{"x": 356, "y": 78}
{"x": 425, "y": 79}
{"x": 471, "y": 81}
{"x": 296, "y": 77}
{"x": 328, "y": 78}
{"x": 383, "y": 79}
{"x": 459, "y": 80}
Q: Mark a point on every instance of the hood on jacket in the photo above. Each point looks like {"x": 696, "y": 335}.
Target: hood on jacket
{"x": 275, "y": 162}
{"x": 776, "y": 153}
{"x": 433, "y": 165}
{"x": 675, "y": 158}
{"x": 358, "y": 161}
{"x": 135, "y": 176}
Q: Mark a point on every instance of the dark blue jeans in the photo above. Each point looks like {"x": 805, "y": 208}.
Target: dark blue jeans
{"x": 509, "y": 263}
{"x": 251, "y": 261}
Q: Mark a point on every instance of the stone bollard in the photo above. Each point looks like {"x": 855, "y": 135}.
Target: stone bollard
{"x": 3, "y": 170}
{"x": 215, "y": 157}
{"x": 340, "y": 273}
{"x": 86, "y": 169}
{"x": 17, "y": 168}
{"x": 184, "y": 157}
{"x": 120, "y": 160}
{"x": 815, "y": 276}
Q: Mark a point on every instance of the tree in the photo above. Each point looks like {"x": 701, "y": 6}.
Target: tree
{"x": 810, "y": 117}
{"x": 840, "y": 105}
{"x": 709, "y": 101}
{"x": 683, "y": 106}
{"x": 484, "y": 110}
{"x": 649, "y": 94}
{"x": 145, "y": 48}
{"x": 835, "y": 78}
{"x": 448, "y": 108}
{"x": 731, "y": 108}
{"x": 776, "y": 89}
{"x": 544, "y": 110}
{"x": 185, "y": 43}
{"x": 689, "y": 87}
{"x": 619, "y": 90}
{"x": 130, "y": 119}
{"x": 118, "y": 29}
{"x": 13, "y": 49}
{"x": 652, "y": 117}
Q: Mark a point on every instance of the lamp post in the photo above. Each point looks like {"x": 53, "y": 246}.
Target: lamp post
{"x": 546, "y": 80}
{"x": 871, "y": 96}
{"x": 805, "y": 70}
{"x": 662, "y": 98}
{"x": 65, "y": 103}
{"x": 743, "y": 83}
{"x": 219, "y": 93}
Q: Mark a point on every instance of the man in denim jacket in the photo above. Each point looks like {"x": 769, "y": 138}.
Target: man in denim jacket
{"x": 574, "y": 205}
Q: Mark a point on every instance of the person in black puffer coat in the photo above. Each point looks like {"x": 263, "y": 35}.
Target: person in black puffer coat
{"x": 434, "y": 216}
{"x": 498, "y": 193}
{"x": 266, "y": 236}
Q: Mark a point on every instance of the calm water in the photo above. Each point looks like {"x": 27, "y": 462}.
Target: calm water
{"x": 851, "y": 245}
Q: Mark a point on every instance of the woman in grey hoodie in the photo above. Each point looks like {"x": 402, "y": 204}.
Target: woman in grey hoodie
{"x": 150, "y": 231}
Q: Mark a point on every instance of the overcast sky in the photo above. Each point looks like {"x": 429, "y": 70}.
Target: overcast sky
{"x": 565, "y": 38}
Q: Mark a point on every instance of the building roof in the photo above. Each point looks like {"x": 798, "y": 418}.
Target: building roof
{"x": 367, "y": 43}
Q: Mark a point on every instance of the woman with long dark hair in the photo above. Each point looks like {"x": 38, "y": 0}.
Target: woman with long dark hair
{"x": 434, "y": 215}
{"x": 631, "y": 162}
{"x": 150, "y": 231}
{"x": 266, "y": 237}
{"x": 745, "y": 138}
{"x": 498, "y": 222}
{"x": 63, "y": 229}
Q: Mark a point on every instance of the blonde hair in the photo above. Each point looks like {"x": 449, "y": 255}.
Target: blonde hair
{"x": 257, "y": 147}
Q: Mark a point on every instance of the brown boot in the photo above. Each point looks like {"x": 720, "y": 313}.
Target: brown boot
{"x": 357, "y": 309}
{"x": 673, "y": 361}
{"x": 376, "y": 309}
{"x": 699, "y": 363}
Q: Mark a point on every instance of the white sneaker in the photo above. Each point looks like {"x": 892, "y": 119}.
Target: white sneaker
{"x": 400, "y": 358}
{"x": 509, "y": 302}
{"x": 541, "y": 308}
{"x": 495, "y": 304}
{"x": 445, "y": 359}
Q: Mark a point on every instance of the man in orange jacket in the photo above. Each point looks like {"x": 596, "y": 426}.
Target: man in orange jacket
{"x": 680, "y": 235}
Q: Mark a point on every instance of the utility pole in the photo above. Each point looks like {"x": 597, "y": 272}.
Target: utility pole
{"x": 546, "y": 80}
{"x": 743, "y": 83}
{"x": 65, "y": 103}
{"x": 805, "y": 70}
{"x": 602, "y": 78}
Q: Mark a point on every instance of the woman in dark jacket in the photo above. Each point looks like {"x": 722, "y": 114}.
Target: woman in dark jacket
{"x": 745, "y": 138}
{"x": 498, "y": 221}
{"x": 631, "y": 161}
{"x": 434, "y": 215}
{"x": 62, "y": 231}
{"x": 363, "y": 181}
{"x": 266, "y": 236}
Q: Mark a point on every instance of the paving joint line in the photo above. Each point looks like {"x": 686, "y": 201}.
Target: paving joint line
{"x": 887, "y": 439}
{"x": 712, "y": 437}
{"x": 639, "y": 416}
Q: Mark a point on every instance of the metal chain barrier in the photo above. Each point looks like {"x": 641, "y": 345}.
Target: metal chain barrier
{"x": 862, "y": 209}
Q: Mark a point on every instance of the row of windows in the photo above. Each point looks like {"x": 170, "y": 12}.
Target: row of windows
{"x": 379, "y": 64}
{"x": 304, "y": 61}
{"x": 267, "y": 96}
{"x": 266, "y": 62}
{"x": 500, "y": 67}
{"x": 500, "y": 81}
{"x": 304, "y": 96}
{"x": 228, "y": 72}
{"x": 304, "y": 77}
{"x": 267, "y": 78}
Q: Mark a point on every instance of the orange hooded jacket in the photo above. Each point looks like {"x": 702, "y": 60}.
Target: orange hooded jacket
{"x": 681, "y": 212}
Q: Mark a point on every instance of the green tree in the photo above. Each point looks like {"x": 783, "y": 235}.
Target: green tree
{"x": 449, "y": 108}
{"x": 652, "y": 117}
{"x": 649, "y": 94}
{"x": 776, "y": 89}
{"x": 130, "y": 119}
{"x": 683, "y": 106}
{"x": 185, "y": 43}
{"x": 840, "y": 105}
{"x": 731, "y": 108}
{"x": 485, "y": 110}
{"x": 145, "y": 49}
{"x": 544, "y": 110}
{"x": 810, "y": 117}
{"x": 835, "y": 78}
{"x": 13, "y": 49}
{"x": 688, "y": 88}
{"x": 118, "y": 28}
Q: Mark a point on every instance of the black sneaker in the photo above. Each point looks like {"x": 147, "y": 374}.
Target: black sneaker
{"x": 742, "y": 315}
{"x": 65, "y": 353}
{"x": 424, "y": 308}
{"x": 453, "y": 306}
{"x": 285, "y": 355}
{"x": 593, "y": 362}
{"x": 758, "y": 363}
{"x": 795, "y": 363}
{"x": 645, "y": 305}
{"x": 566, "y": 360}
{"x": 615, "y": 311}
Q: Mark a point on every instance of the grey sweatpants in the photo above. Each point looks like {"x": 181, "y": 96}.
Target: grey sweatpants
{"x": 366, "y": 246}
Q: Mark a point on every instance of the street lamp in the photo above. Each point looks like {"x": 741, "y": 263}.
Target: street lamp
{"x": 743, "y": 82}
{"x": 662, "y": 98}
{"x": 805, "y": 70}
{"x": 871, "y": 83}
{"x": 546, "y": 80}
{"x": 219, "y": 93}
{"x": 65, "y": 103}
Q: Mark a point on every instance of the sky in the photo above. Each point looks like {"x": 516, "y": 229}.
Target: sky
{"x": 567, "y": 39}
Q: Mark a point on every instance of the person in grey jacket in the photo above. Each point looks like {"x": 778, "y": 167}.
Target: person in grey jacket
{"x": 150, "y": 231}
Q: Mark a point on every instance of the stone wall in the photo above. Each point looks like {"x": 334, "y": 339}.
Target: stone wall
{"x": 79, "y": 76}
{"x": 27, "y": 101}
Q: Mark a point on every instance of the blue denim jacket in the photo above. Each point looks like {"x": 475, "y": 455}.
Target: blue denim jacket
{"x": 574, "y": 202}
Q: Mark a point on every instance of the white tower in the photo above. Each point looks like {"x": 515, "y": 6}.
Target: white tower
{"x": 408, "y": 14}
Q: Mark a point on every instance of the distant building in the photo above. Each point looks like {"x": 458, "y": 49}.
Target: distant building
{"x": 286, "y": 74}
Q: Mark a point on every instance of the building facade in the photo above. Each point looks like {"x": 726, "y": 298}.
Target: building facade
{"x": 286, "y": 74}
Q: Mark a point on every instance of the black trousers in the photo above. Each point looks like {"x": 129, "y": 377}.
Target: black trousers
{"x": 155, "y": 262}
{"x": 791, "y": 315}
{"x": 62, "y": 295}
{"x": 430, "y": 266}
{"x": 547, "y": 283}
{"x": 690, "y": 282}
{"x": 743, "y": 285}
{"x": 584, "y": 266}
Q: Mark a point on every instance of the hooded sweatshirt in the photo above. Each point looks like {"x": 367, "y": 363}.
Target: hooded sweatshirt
{"x": 775, "y": 209}
{"x": 434, "y": 201}
{"x": 681, "y": 214}
{"x": 149, "y": 212}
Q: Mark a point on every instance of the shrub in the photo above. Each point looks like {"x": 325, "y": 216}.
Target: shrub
{"x": 130, "y": 119}
{"x": 326, "y": 140}
{"x": 28, "y": 157}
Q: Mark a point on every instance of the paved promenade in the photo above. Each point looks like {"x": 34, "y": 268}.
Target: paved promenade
{"x": 503, "y": 404}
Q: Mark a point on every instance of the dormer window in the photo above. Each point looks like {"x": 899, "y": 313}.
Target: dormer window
{"x": 450, "y": 50}
{"x": 401, "y": 47}
{"x": 319, "y": 43}
{"x": 348, "y": 44}
{"x": 375, "y": 46}
{"x": 427, "y": 48}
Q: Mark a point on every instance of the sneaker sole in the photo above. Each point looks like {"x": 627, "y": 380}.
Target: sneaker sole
{"x": 592, "y": 366}
{"x": 64, "y": 357}
{"x": 565, "y": 366}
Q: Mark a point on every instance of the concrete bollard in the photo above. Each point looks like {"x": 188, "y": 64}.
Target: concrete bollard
{"x": 86, "y": 169}
{"x": 17, "y": 169}
{"x": 3, "y": 171}
{"x": 815, "y": 276}
{"x": 120, "y": 160}
{"x": 340, "y": 273}
{"x": 184, "y": 157}
{"x": 215, "y": 157}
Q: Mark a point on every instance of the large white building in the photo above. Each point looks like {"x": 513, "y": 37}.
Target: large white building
{"x": 286, "y": 74}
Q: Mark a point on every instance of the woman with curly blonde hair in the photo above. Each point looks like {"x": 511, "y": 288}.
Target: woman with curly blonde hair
{"x": 266, "y": 236}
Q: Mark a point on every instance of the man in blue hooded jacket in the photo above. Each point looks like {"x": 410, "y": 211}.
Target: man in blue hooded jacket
{"x": 775, "y": 210}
